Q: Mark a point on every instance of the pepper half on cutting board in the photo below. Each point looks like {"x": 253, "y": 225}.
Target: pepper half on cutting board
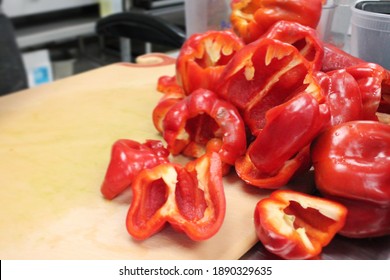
{"x": 294, "y": 225}
{"x": 128, "y": 158}
{"x": 190, "y": 198}
{"x": 352, "y": 165}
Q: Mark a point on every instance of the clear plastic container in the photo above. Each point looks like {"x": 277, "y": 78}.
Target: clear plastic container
{"x": 324, "y": 27}
{"x": 203, "y": 15}
{"x": 370, "y": 36}
{"x": 334, "y": 25}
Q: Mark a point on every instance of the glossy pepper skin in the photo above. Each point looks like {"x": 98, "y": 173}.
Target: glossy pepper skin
{"x": 370, "y": 78}
{"x": 191, "y": 199}
{"x": 335, "y": 58}
{"x": 289, "y": 128}
{"x": 342, "y": 94}
{"x": 304, "y": 38}
{"x": 166, "y": 102}
{"x": 200, "y": 117}
{"x": 281, "y": 148}
{"x": 203, "y": 57}
{"x": 128, "y": 158}
{"x": 351, "y": 164}
{"x": 265, "y": 74}
{"x": 252, "y": 18}
{"x": 294, "y": 225}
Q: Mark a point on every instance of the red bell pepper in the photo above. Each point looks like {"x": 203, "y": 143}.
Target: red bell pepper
{"x": 279, "y": 149}
{"x": 265, "y": 74}
{"x": 289, "y": 128}
{"x": 370, "y": 78}
{"x": 304, "y": 38}
{"x": 189, "y": 198}
{"x": 191, "y": 123}
{"x": 352, "y": 164}
{"x": 169, "y": 85}
{"x": 342, "y": 96}
{"x": 128, "y": 158}
{"x": 294, "y": 225}
{"x": 335, "y": 58}
{"x": 384, "y": 106}
{"x": 252, "y": 18}
{"x": 203, "y": 57}
{"x": 364, "y": 219}
{"x": 248, "y": 172}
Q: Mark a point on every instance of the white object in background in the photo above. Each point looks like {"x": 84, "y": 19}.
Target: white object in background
{"x": 334, "y": 25}
{"x": 38, "y": 67}
{"x": 370, "y": 36}
{"x": 108, "y": 7}
{"x": 203, "y": 15}
{"x": 324, "y": 27}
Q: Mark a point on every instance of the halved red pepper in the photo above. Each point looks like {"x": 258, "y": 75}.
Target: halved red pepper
{"x": 252, "y": 18}
{"x": 304, "y": 38}
{"x": 294, "y": 225}
{"x": 203, "y": 57}
{"x": 190, "y": 198}
{"x": 265, "y": 74}
{"x": 192, "y": 122}
{"x": 352, "y": 164}
{"x": 128, "y": 158}
{"x": 281, "y": 148}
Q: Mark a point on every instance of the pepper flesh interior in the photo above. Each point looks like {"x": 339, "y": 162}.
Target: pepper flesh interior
{"x": 189, "y": 198}
{"x": 214, "y": 54}
{"x": 202, "y": 128}
{"x": 155, "y": 197}
{"x": 311, "y": 220}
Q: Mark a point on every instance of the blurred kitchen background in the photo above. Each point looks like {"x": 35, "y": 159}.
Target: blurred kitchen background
{"x": 60, "y": 35}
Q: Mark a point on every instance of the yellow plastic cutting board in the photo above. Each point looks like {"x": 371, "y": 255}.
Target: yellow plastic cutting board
{"x": 55, "y": 143}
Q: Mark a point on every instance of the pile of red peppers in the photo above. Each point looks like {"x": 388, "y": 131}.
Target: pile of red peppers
{"x": 270, "y": 101}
